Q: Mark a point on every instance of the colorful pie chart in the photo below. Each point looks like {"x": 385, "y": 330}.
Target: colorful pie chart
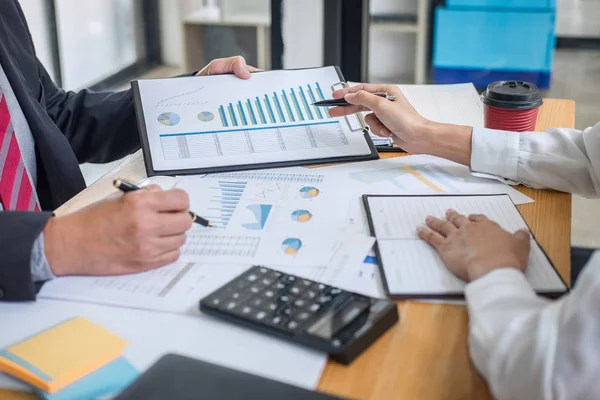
{"x": 308, "y": 192}
{"x": 169, "y": 118}
{"x": 301, "y": 216}
{"x": 291, "y": 246}
{"x": 206, "y": 116}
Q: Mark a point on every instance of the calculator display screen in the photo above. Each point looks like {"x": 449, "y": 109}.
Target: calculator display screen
{"x": 334, "y": 321}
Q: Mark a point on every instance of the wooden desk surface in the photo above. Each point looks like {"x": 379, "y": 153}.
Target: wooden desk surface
{"x": 425, "y": 356}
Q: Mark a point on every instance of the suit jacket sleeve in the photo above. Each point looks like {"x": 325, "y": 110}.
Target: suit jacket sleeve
{"x": 18, "y": 232}
{"x": 101, "y": 126}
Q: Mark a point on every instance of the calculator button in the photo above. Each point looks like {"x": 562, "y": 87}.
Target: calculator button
{"x": 230, "y": 305}
{"x": 269, "y": 294}
{"x": 257, "y": 302}
{"x": 315, "y": 307}
{"x": 261, "y": 315}
{"x": 335, "y": 291}
{"x": 252, "y": 277}
{"x": 292, "y": 325}
{"x": 336, "y": 342}
{"x": 299, "y": 303}
{"x": 295, "y": 290}
{"x": 322, "y": 286}
{"x": 246, "y": 310}
{"x": 309, "y": 294}
{"x": 263, "y": 270}
{"x": 303, "y": 316}
{"x": 254, "y": 289}
{"x": 277, "y": 320}
{"x": 241, "y": 284}
{"x": 306, "y": 282}
{"x": 324, "y": 299}
{"x": 291, "y": 278}
{"x": 280, "y": 286}
{"x": 287, "y": 311}
{"x": 284, "y": 298}
{"x": 271, "y": 307}
{"x": 266, "y": 281}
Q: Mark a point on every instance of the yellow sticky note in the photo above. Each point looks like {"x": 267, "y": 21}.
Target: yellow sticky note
{"x": 63, "y": 354}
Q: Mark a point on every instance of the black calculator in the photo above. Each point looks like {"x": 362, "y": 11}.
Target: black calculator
{"x": 306, "y": 312}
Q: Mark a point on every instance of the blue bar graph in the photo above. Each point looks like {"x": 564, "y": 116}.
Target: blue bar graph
{"x": 226, "y": 197}
{"x": 242, "y": 115}
{"x": 308, "y": 111}
{"x": 282, "y": 106}
{"x": 223, "y": 116}
{"x": 232, "y": 115}
{"x": 251, "y": 112}
{"x": 271, "y": 114}
{"x": 261, "y": 112}
{"x": 287, "y": 106}
{"x": 278, "y": 107}
{"x": 298, "y": 110}
{"x": 314, "y": 100}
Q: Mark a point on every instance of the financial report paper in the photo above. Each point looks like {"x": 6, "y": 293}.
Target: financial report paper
{"x": 222, "y": 121}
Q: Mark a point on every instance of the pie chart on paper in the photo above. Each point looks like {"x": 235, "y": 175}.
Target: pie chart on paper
{"x": 169, "y": 118}
{"x": 308, "y": 192}
{"x": 301, "y": 216}
{"x": 291, "y": 246}
{"x": 206, "y": 116}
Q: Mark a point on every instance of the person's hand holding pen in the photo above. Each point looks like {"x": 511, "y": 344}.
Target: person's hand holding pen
{"x": 399, "y": 120}
{"x": 133, "y": 232}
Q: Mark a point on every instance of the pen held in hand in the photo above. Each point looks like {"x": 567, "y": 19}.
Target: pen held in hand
{"x": 126, "y": 186}
{"x": 342, "y": 102}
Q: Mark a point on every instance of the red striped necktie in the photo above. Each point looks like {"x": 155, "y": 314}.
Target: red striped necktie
{"x": 16, "y": 189}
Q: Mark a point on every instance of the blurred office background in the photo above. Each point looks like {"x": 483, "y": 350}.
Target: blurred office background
{"x": 553, "y": 43}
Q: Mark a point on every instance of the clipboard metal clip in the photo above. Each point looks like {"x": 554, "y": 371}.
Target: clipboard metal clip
{"x": 362, "y": 126}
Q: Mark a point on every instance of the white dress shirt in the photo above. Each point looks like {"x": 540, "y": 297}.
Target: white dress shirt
{"x": 528, "y": 347}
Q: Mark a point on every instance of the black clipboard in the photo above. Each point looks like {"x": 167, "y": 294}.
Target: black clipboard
{"x": 150, "y": 171}
{"x": 454, "y": 295}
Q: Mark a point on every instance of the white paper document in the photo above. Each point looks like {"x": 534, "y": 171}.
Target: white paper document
{"x": 457, "y": 104}
{"x": 269, "y": 218}
{"x": 154, "y": 334}
{"x": 407, "y": 175}
{"x": 179, "y": 287}
{"x": 174, "y": 288}
{"x": 220, "y": 121}
{"x": 413, "y": 268}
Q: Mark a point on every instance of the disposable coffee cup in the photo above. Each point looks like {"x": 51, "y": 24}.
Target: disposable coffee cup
{"x": 511, "y": 106}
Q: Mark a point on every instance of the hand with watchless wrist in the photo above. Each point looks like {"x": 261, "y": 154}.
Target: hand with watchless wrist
{"x": 400, "y": 121}
{"x": 473, "y": 246}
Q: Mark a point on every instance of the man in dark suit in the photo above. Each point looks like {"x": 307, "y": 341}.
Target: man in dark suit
{"x": 45, "y": 133}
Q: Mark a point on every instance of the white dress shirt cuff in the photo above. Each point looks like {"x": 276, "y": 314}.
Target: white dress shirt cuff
{"x": 40, "y": 269}
{"x": 495, "y": 154}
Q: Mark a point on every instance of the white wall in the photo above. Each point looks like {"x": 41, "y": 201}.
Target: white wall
{"x": 35, "y": 12}
{"x": 171, "y": 34}
{"x": 578, "y": 18}
{"x": 303, "y": 33}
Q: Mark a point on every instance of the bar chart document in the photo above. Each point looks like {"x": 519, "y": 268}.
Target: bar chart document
{"x": 412, "y": 268}
{"x": 222, "y": 123}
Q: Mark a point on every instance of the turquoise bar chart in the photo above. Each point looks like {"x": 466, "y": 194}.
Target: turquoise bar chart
{"x": 225, "y": 199}
{"x": 279, "y": 107}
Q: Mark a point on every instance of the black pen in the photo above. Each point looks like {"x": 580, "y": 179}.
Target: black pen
{"x": 126, "y": 186}
{"x": 342, "y": 102}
